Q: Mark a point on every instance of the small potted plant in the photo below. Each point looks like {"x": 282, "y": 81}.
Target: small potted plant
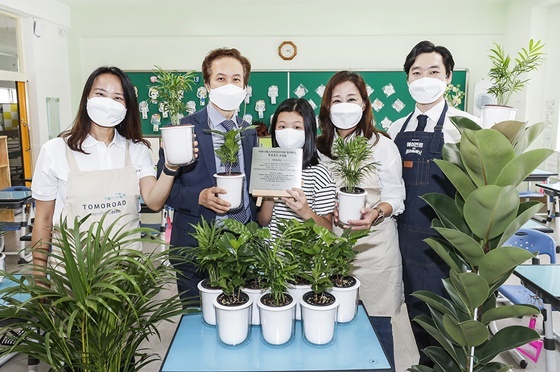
{"x": 506, "y": 81}
{"x": 277, "y": 265}
{"x": 177, "y": 139}
{"x": 345, "y": 286}
{"x": 233, "y": 306}
{"x": 351, "y": 163}
{"x": 227, "y": 152}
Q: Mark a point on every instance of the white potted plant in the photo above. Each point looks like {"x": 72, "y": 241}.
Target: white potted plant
{"x": 227, "y": 152}
{"x": 177, "y": 139}
{"x": 352, "y": 161}
{"x": 506, "y": 81}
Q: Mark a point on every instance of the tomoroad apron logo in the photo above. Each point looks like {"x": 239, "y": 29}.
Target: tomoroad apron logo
{"x": 414, "y": 147}
{"x": 112, "y": 203}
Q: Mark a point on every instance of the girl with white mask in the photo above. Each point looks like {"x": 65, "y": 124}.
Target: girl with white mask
{"x": 101, "y": 157}
{"x": 293, "y": 126}
{"x": 346, "y": 112}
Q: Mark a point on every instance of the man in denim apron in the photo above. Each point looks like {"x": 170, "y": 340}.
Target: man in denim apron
{"x": 420, "y": 137}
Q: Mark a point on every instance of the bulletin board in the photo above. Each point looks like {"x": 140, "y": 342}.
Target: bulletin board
{"x": 388, "y": 94}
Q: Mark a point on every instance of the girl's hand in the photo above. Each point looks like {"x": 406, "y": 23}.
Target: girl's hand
{"x": 297, "y": 202}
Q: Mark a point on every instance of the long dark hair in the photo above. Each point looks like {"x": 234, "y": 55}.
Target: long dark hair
{"x": 130, "y": 128}
{"x": 364, "y": 127}
{"x": 302, "y": 107}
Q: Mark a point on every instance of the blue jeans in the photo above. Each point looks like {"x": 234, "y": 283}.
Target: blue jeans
{"x": 384, "y": 329}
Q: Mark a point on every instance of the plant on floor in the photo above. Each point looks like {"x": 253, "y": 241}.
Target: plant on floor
{"x": 507, "y": 81}
{"x": 351, "y": 161}
{"x": 229, "y": 147}
{"x": 171, "y": 87}
{"x": 95, "y": 315}
{"x": 485, "y": 168}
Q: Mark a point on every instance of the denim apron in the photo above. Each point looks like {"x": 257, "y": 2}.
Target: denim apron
{"x": 422, "y": 267}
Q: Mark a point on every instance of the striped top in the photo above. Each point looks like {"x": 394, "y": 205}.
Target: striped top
{"x": 320, "y": 191}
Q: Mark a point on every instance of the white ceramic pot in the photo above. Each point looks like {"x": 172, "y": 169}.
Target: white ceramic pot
{"x": 255, "y": 295}
{"x": 348, "y": 301}
{"x": 492, "y": 114}
{"x": 234, "y": 185}
{"x": 318, "y": 322}
{"x": 297, "y": 291}
{"x": 349, "y": 205}
{"x": 233, "y": 322}
{"x": 178, "y": 144}
{"x": 277, "y": 323}
{"x": 207, "y": 297}
{"x": 2, "y": 263}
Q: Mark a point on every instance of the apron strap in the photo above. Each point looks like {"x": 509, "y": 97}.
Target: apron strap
{"x": 72, "y": 164}
{"x": 437, "y": 142}
{"x": 406, "y": 122}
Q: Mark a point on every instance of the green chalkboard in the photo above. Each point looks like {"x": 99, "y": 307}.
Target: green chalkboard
{"x": 389, "y": 94}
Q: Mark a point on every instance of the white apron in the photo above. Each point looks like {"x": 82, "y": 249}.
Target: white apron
{"x": 97, "y": 192}
{"x": 378, "y": 262}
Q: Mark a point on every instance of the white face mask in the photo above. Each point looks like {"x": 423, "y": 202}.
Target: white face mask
{"x": 289, "y": 138}
{"x": 105, "y": 111}
{"x": 346, "y": 115}
{"x": 227, "y": 97}
{"x": 427, "y": 90}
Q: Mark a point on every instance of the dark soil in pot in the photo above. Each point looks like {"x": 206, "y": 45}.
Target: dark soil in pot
{"x": 233, "y": 300}
{"x": 319, "y": 299}
{"x": 268, "y": 301}
{"x": 340, "y": 281}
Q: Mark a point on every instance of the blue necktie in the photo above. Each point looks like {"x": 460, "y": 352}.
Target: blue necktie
{"x": 239, "y": 214}
{"x": 422, "y": 121}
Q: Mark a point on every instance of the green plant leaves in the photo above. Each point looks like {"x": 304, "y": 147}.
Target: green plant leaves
{"x": 458, "y": 178}
{"x": 469, "y": 248}
{"x": 468, "y": 333}
{"x": 472, "y": 289}
{"x": 505, "y": 339}
{"x": 500, "y": 261}
{"x": 515, "y": 171}
{"x": 505, "y": 312}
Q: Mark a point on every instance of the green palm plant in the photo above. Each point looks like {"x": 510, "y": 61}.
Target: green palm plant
{"x": 351, "y": 161}
{"x": 507, "y": 81}
{"x": 485, "y": 168}
{"x": 229, "y": 147}
{"x": 171, "y": 87}
{"x": 95, "y": 315}
{"x": 342, "y": 254}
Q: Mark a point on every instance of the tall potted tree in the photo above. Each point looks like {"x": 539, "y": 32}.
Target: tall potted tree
{"x": 227, "y": 152}
{"x": 507, "y": 80}
{"x": 351, "y": 163}
{"x": 177, "y": 139}
{"x": 95, "y": 315}
{"x": 485, "y": 168}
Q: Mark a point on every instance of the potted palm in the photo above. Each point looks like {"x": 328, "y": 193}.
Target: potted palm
{"x": 345, "y": 286}
{"x": 227, "y": 152}
{"x": 507, "y": 81}
{"x": 351, "y": 163}
{"x": 177, "y": 139}
{"x": 93, "y": 316}
{"x": 485, "y": 168}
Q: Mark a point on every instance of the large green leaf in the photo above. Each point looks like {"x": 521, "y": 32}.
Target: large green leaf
{"x": 516, "y": 170}
{"x": 510, "y": 128}
{"x": 447, "y": 211}
{"x": 471, "y": 287}
{"x": 493, "y": 367}
{"x": 447, "y": 254}
{"x": 435, "y": 301}
{"x": 441, "y": 358}
{"x": 529, "y": 209}
{"x": 505, "y": 339}
{"x": 468, "y": 333}
{"x": 457, "y": 177}
{"x": 501, "y": 261}
{"x": 420, "y": 368}
{"x": 428, "y": 324}
{"x": 510, "y": 311}
{"x": 465, "y": 244}
{"x": 462, "y": 123}
{"x": 484, "y": 154}
{"x": 451, "y": 153}
{"x": 455, "y": 297}
{"x": 490, "y": 209}
{"x": 521, "y": 143}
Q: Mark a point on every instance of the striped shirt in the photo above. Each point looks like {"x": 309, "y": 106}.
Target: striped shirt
{"x": 320, "y": 191}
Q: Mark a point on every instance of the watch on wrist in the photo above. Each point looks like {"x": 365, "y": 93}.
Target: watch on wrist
{"x": 380, "y": 215}
{"x": 170, "y": 172}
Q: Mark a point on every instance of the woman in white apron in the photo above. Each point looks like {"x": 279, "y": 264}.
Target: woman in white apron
{"x": 346, "y": 112}
{"x": 101, "y": 164}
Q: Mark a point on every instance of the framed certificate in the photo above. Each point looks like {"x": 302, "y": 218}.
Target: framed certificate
{"x": 275, "y": 170}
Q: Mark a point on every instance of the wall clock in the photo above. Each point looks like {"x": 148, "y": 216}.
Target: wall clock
{"x": 287, "y": 50}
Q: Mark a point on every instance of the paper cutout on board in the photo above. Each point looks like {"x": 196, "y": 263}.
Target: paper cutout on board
{"x": 300, "y": 91}
{"x": 313, "y": 104}
{"x": 190, "y": 107}
{"x": 369, "y": 90}
{"x": 377, "y": 105}
{"x": 389, "y": 90}
{"x": 385, "y": 123}
{"x": 201, "y": 94}
{"x": 248, "y": 94}
{"x": 260, "y": 107}
{"x": 320, "y": 90}
{"x": 143, "y": 107}
{"x": 153, "y": 94}
{"x": 398, "y": 105}
{"x": 156, "y": 122}
{"x": 163, "y": 107}
{"x": 248, "y": 118}
{"x": 273, "y": 93}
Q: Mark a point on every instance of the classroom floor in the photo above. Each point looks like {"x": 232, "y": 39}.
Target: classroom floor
{"x": 405, "y": 348}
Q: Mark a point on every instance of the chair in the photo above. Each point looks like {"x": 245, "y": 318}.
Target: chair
{"x": 23, "y": 223}
{"x": 535, "y": 242}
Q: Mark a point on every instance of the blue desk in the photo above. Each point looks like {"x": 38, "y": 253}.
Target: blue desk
{"x": 544, "y": 280}
{"x": 17, "y": 200}
{"x": 195, "y": 347}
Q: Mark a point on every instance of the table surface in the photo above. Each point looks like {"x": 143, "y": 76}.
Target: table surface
{"x": 6, "y": 283}
{"x": 539, "y": 175}
{"x": 14, "y": 196}
{"x": 554, "y": 187}
{"x": 543, "y": 280}
{"x": 195, "y": 347}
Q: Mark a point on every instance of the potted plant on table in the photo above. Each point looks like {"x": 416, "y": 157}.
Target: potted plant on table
{"x": 94, "y": 315}
{"x": 506, "y": 81}
{"x": 351, "y": 163}
{"x": 485, "y": 168}
{"x": 227, "y": 152}
{"x": 177, "y": 139}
